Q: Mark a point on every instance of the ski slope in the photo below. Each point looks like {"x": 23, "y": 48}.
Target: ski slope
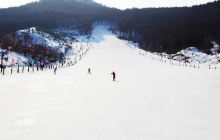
{"x": 150, "y": 100}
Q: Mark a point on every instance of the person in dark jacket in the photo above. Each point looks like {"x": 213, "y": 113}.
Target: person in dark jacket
{"x": 89, "y": 71}
{"x": 55, "y": 70}
{"x": 114, "y": 76}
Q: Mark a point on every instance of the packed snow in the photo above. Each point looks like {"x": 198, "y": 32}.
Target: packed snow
{"x": 191, "y": 56}
{"x": 215, "y": 49}
{"x": 151, "y": 100}
{"x": 34, "y": 36}
{"x": 70, "y": 42}
{"x": 61, "y": 43}
{"x": 11, "y": 58}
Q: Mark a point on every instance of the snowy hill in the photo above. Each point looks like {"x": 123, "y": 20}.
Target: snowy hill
{"x": 13, "y": 58}
{"x": 36, "y": 45}
{"x": 192, "y": 55}
{"x": 83, "y": 1}
{"x": 65, "y": 44}
{"x": 32, "y": 36}
{"x": 150, "y": 100}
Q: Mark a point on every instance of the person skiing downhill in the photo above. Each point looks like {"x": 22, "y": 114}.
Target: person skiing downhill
{"x": 55, "y": 70}
{"x": 89, "y": 71}
{"x": 114, "y": 76}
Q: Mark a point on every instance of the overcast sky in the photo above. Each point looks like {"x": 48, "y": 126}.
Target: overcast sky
{"x": 122, "y": 4}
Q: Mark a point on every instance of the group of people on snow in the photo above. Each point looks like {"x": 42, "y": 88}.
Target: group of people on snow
{"x": 113, "y": 74}
{"x": 90, "y": 72}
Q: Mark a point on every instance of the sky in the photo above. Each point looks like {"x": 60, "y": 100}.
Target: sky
{"x": 122, "y": 4}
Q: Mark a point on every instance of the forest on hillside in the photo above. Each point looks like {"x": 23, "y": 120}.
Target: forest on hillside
{"x": 172, "y": 29}
{"x": 155, "y": 29}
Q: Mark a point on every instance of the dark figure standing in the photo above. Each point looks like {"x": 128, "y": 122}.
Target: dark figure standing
{"x": 114, "y": 76}
{"x": 55, "y": 70}
{"x": 89, "y": 71}
{"x": 42, "y": 66}
{"x": 1, "y": 68}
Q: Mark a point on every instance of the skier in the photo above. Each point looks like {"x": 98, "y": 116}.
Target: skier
{"x": 1, "y": 68}
{"x": 55, "y": 70}
{"x": 42, "y": 65}
{"x": 114, "y": 76}
{"x": 89, "y": 71}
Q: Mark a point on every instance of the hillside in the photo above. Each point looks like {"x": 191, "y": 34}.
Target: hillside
{"x": 35, "y": 46}
{"x": 150, "y": 100}
{"x": 155, "y": 29}
{"x": 41, "y": 14}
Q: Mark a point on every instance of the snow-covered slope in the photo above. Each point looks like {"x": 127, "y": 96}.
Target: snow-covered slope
{"x": 32, "y": 36}
{"x": 150, "y": 100}
{"x": 70, "y": 42}
{"x": 192, "y": 56}
{"x": 34, "y": 39}
{"x": 12, "y": 58}
{"x": 215, "y": 49}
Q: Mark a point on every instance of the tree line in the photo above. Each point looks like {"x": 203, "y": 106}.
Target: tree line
{"x": 154, "y": 29}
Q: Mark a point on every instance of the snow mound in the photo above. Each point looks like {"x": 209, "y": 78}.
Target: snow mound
{"x": 191, "y": 55}
{"x": 13, "y": 58}
{"x": 215, "y": 49}
{"x": 64, "y": 48}
{"x": 149, "y": 101}
{"x": 33, "y": 36}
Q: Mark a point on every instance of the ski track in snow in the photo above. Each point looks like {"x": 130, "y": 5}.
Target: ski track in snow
{"x": 149, "y": 101}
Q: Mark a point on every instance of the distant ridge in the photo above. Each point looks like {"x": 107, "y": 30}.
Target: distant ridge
{"x": 84, "y": 1}
{"x": 154, "y": 29}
